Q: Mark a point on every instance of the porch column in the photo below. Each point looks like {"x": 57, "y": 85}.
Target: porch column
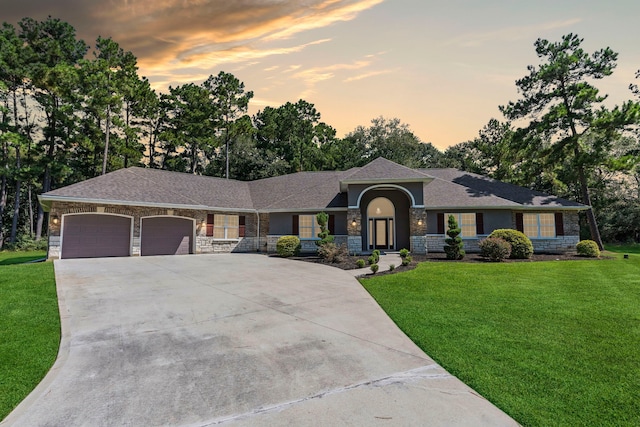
{"x": 354, "y": 231}
{"x": 418, "y": 230}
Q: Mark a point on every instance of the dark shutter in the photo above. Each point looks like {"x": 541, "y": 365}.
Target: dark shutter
{"x": 209, "y": 225}
{"x": 241, "y": 225}
{"x": 519, "y": 222}
{"x": 479, "y": 223}
{"x": 295, "y": 230}
{"x": 440, "y": 223}
{"x": 559, "y": 224}
{"x": 332, "y": 224}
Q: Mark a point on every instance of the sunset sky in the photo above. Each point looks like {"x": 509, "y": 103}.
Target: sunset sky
{"x": 441, "y": 67}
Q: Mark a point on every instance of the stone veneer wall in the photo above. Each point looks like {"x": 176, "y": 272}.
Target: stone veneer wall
{"x": 561, "y": 244}
{"x": 263, "y": 243}
{"x": 307, "y": 246}
{"x": 203, "y": 244}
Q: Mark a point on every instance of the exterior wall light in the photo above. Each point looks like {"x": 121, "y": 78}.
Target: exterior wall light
{"x": 354, "y": 223}
{"x": 55, "y": 219}
{"x": 420, "y": 221}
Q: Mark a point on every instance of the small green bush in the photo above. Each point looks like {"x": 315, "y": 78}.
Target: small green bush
{"x": 454, "y": 246}
{"x": 392, "y": 267}
{"x": 588, "y": 248}
{"x": 360, "y": 263}
{"x": 372, "y": 260}
{"x": 404, "y": 252}
{"x": 406, "y": 260}
{"x": 24, "y": 242}
{"x": 376, "y": 254}
{"x": 323, "y": 219}
{"x": 288, "y": 246}
{"x": 332, "y": 252}
{"x": 521, "y": 246}
{"x": 495, "y": 248}
{"x": 374, "y": 268}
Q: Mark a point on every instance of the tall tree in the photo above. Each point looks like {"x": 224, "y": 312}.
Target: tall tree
{"x": 56, "y": 52}
{"x": 394, "y": 140}
{"x": 190, "y": 128}
{"x": 562, "y": 105}
{"x": 230, "y": 102}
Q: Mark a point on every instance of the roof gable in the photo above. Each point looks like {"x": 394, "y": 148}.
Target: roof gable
{"x": 383, "y": 170}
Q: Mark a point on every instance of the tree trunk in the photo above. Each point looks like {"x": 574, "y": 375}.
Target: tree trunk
{"x": 586, "y": 199}
{"x": 106, "y": 141}
{"x": 46, "y": 180}
{"x": 30, "y": 196}
{"x": 16, "y": 205}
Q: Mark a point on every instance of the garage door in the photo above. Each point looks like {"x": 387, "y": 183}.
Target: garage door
{"x": 95, "y": 235}
{"x": 166, "y": 236}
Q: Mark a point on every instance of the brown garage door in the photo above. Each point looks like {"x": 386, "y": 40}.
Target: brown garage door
{"x": 166, "y": 236}
{"x": 95, "y": 235}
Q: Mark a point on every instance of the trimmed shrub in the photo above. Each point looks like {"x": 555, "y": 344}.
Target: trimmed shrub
{"x": 360, "y": 263}
{"x": 392, "y": 267}
{"x": 374, "y": 268}
{"x": 588, "y": 248}
{"x": 404, "y": 252}
{"x": 521, "y": 246}
{"x": 288, "y": 246}
{"x": 372, "y": 260}
{"x": 332, "y": 252}
{"x": 323, "y": 219}
{"x": 406, "y": 260}
{"x": 376, "y": 253}
{"x": 495, "y": 248}
{"x": 454, "y": 245}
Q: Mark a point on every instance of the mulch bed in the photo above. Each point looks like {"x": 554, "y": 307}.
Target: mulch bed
{"x": 349, "y": 262}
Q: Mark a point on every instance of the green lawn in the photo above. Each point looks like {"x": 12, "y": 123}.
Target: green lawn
{"x": 14, "y": 257}
{"x": 550, "y": 343}
{"x": 29, "y": 326}
{"x": 630, "y": 248}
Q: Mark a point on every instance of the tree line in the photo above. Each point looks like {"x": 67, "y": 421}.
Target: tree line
{"x": 70, "y": 111}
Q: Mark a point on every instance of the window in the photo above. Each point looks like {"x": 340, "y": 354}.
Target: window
{"x": 466, "y": 222}
{"x": 308, "y": 227}
{"x": 223, "y": 227}
{"x": 539, "y": 226}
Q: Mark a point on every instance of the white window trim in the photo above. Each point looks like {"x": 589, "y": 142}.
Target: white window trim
{"x": 315, "y": 228}
{"x": 539, "y": 236}
{"x": 458, "y": 216}
{"x": 226, "y": 228}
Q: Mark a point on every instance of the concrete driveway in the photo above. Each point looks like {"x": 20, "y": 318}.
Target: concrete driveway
{"x": 236, "y": 339}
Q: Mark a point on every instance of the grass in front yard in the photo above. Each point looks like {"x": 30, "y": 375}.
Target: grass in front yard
{"x": 20, "y": 257}
{"x": 550, "y": 343}
{"x": 624, "y": 248}
{"x": 29, "y": 328}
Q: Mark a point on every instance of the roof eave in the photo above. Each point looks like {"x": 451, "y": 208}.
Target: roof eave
{"x": 45, "y": 201}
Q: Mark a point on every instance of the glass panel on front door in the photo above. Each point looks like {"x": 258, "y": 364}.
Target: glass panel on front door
{"x": 381, "y": 233}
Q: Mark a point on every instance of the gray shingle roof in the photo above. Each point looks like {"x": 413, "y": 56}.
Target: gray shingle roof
{"x": 300, "y": 191}
{"x": 478, "y": 187}
{"x": 158, "y": 187}
{"x": 382, "y": 169}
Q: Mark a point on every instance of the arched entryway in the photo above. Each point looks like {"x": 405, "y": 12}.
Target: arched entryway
{"x": 384, "y": 213}
{"x": 381, "y": 219}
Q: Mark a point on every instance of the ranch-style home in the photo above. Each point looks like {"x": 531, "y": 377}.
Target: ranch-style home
{"x": 382, "y": 205}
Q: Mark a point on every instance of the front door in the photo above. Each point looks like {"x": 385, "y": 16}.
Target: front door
{"x": 381, "y": 233}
